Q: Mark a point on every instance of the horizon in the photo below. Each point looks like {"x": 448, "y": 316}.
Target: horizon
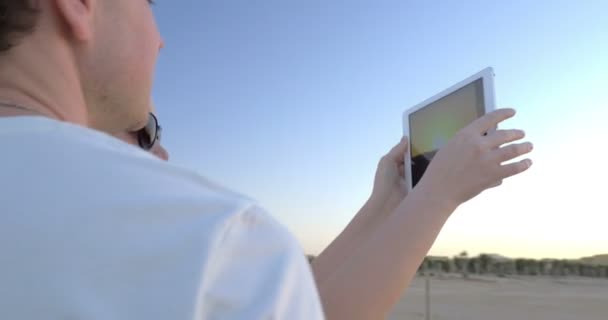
{"x": 293, "y": 104}
{"x": 507, "y": 257}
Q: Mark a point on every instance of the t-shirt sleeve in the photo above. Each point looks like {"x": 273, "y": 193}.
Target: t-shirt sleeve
{"x": 258, "y": 271}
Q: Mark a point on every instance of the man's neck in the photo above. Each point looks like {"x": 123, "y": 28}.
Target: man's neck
{"x": 43, "y": 84}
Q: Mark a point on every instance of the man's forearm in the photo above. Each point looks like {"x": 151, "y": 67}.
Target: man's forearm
{"x": 376, "y": 276}
{"x": 349, "y": 241}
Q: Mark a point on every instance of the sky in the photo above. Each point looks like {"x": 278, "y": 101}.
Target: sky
{"x": 294, "y": 102}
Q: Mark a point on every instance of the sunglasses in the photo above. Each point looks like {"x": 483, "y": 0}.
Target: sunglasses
{"x": 150, "y": 134}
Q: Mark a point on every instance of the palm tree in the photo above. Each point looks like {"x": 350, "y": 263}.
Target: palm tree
{"x": 424, "y": 266}
{"x": 473, "y": 265}
{"x": 544, "y": 266}
{"x": 598, "y": 271}
{"x": 533, "y": 267}
{"x": 556, "y": 268}
{"x": 577, "y": 269}
{"x": 484, "y": 263}
{"x": 570, "y": 268}
{"x": 445, "y": 266}
{"x": 509, "y": 267}
{"x": 463, "y": 258}
{"x": 586, "y": 270}
{"x": 520, "y": 266}
{"x": 501, "y": 269}
{"x": 436, "y": 266}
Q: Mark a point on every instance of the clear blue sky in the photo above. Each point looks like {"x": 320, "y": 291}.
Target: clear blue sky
{"x": 294, "y": 102}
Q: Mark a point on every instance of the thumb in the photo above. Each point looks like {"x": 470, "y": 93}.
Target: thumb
{"x": 399, "y": 150}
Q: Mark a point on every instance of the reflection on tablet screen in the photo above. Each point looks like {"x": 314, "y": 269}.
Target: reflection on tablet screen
{"x": 433, "y": 125}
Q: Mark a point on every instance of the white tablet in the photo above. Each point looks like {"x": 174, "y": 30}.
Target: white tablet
{"x": 431, "y": 123}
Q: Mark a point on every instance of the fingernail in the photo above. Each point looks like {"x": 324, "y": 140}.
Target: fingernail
{"x": 528, "y": 163}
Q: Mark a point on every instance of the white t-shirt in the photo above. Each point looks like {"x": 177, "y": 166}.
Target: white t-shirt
{"x": 93, "y": 228}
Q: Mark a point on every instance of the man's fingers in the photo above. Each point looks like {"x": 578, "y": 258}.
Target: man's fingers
{"x": 500, "y": 137}
{"x": 515, "y": 168}
{"x": 513, "y": 151}
{"x": 491, "y": 120}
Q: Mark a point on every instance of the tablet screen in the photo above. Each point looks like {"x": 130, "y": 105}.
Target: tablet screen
{"x": 433, "y": 125}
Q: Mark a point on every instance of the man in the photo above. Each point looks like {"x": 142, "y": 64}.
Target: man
{"x": 94, "y": 228}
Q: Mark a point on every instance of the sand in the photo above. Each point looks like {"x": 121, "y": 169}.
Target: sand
{"x": 494, "y": 298}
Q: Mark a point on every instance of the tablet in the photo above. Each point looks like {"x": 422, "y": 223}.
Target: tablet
{"x": 431, "y": 123}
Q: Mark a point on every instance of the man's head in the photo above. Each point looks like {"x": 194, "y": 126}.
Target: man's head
{"x": 17, "y": 19}
{"x": 104, "y": 50}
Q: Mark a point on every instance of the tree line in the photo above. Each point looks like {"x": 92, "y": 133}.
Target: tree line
{"x": 499, "y": 266}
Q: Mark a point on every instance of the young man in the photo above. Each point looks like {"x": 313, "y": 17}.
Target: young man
{"x": 94, "y": 228}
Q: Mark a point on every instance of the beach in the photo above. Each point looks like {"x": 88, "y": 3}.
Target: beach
{"x": 517, "y": 297}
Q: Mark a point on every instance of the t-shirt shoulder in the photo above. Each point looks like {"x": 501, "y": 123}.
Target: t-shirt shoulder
{"x": 71, "y": 154}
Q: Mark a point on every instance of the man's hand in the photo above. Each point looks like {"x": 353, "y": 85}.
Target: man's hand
{"x": 472, "y": 161}
{"x": 390, "y": 186}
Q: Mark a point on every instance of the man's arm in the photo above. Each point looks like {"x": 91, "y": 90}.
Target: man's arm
{"x": 367, "y": 284}
{"x": 387, "y": 262}
{"x": 360, "y": 228}
{"x": 389, "y": 190}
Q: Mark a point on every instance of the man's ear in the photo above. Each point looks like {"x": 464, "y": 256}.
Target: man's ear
{"x": 78, "y": 17}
